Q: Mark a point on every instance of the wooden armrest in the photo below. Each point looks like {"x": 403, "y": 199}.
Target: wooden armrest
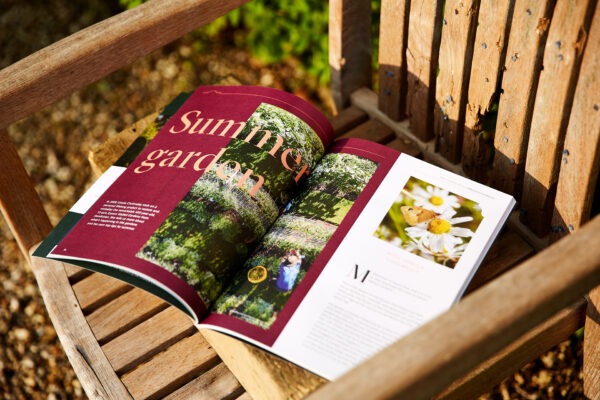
{"x": 86, "y": 56}
{"x": 425, "y": 362}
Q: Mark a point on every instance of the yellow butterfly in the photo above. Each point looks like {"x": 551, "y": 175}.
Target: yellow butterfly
{"x": 416, "y": 215}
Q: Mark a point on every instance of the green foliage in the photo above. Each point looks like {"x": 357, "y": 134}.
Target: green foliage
{"x": 323, "y": 206}
{"x": 275, "y": 30}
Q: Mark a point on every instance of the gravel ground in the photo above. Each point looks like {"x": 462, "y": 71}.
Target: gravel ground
{"x": 54, "y": 143}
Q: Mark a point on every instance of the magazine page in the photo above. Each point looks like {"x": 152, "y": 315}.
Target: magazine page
{"x": 408, "y": 257}
{"x": 275, "y": 279}
{"x": 195, "y": 203}
{"x": 405, "y": 251}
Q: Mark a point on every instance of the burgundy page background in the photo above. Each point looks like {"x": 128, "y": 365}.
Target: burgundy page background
{"x": 165, "y": 187}
{"x": 386, "y": 157}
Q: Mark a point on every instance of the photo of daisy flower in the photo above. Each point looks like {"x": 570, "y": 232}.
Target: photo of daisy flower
{"x": 430, "y": 222}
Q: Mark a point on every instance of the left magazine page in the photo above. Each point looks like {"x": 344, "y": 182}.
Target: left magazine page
{"x": 189, "y": 209}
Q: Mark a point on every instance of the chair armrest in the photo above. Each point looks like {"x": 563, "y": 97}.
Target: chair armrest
{"x": 425, "y": 362}
{"x": 92, "y": 53}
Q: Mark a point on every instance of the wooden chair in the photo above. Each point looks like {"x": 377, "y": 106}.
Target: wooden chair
{"x": 539, "y": 61}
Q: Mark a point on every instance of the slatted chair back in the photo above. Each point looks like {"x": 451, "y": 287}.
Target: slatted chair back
{"x": 506, "y": 92}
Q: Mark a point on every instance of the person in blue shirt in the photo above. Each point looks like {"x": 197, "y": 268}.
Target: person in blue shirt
{"x": 288, "y": 270}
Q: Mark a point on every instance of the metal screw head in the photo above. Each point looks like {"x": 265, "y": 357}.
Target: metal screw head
{"x": 528, "y": 11}
{"x": 514, "y": 58}
{"x": 387, "y": 92}
{"x": 449, "y": 99}
{"x": 560, "y": 57}
{"x": 484, "y": 45}
{"x": 558, "y": 44}
{"x": 445, "y": 117}
{"x": 566, "y": 152}
{"x": 505, "y": 139}
{"x": 596, "y": 108}
{"x": 160, "y": 116}
{"x": 444, "y": 21}
{"x": 565, "y": 160}
{"x": 390, "y": 73}
{"x": 511, "y": 161}
{"x": 571, "y": 227}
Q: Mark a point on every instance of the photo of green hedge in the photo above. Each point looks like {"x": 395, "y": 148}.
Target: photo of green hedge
{"x": 295, "y": 240}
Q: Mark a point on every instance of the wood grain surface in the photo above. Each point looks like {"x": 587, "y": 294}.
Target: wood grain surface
{"x": 456, "y": 53}
{"x": 562, "y": 56}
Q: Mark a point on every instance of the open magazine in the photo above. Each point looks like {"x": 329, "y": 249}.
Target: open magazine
{"x": 238, "y": 207}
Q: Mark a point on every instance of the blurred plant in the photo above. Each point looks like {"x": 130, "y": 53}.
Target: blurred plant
{"x": 276, "y": 30}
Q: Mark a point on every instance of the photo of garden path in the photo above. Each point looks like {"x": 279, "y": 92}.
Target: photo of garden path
{"x": 430, "y": 222}
{"x": 210, "y": 233}
{"x": 262, "y": 288}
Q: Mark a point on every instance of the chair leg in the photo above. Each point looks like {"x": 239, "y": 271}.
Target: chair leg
{"x": 591, "y": 347}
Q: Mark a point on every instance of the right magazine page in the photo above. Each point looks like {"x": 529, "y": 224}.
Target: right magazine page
{"x": 408, "y": 257}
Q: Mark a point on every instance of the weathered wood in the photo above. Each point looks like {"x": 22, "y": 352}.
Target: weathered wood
{"x": 20, "y": 204}
{"x": 508, "y": 250}
{"x": 264, "y": 376}
{"x": 523, "y": 350}
{"x": 97, "y": 290}
{"x": 157, "y": 333}
{"x": 405, "y": 146}
{"x": 424, "y": 33}
{"x": 522, "y": 66}
{"x": 393, "y": 38}
{"x": 426, "y": 361}
{"x": 347, "y": 119}
{"x": 76, "y": 273}
{"x": 456, "y": 53}
{"x": 245, "y": 396}
{"x": 171, "y": 369}
{"x": 493, "y": 25}
{"x": 123, "y": 313}
{"x": 92, "y": 53}
{"x": 103, "y": 156}
{"x": 218, "y": 383}
{"x": 93, "y": 369}
{"x": 371, "y": 130}
{"x": 581, "y": 154}
{"x": 591, "y": 350}
{"x": 349, "y": 48}
{"x": 562, "y": 56}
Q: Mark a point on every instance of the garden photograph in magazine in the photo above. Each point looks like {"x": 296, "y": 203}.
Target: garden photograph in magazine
{"x": 211, "y": 232}
{"x": 430, "y": 222}
{"x": 295, "y": 240}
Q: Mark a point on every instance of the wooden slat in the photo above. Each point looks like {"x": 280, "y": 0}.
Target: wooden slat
{"x": 86, "y": 56}
{"x": 523, "y": 62}
{"x": 349, "y": 48}
{"x": 106, "y": 154}
{"x": 508, "y": 250}
{"x": 425, "y": 362}
{"x": 424, "y": 33}
{"x": 562, "y": 56}
{"x": 581, "y": 157}
{"x": 124, "y": 313}
{"x": 264, "y": 376}
{"x": 97, "y": 290}
{"x": 245, "y": 396}
{"x": 456, "y": 52}
{"x": 218, "y": 383}
{"x": 591, "y": 350}
{"x": 171, "y": 369}
{"x": 371, "y": 130}
{"x": 159, "y": 332}
{"x": 19, "y": 202}
{"x": 347, "y": 119}
{"x": 76, "y": 273}
{"x": 523, "y": 350}
{"x": 393, "y": 38}
{"x": 89, "y": 362}
{"x": 405, "y": 146}
{"x": 493, "y": 25}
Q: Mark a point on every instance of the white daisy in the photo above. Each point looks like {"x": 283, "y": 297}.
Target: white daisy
{"x": 434, "y": 199}
{"x": 440, "y": 236}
